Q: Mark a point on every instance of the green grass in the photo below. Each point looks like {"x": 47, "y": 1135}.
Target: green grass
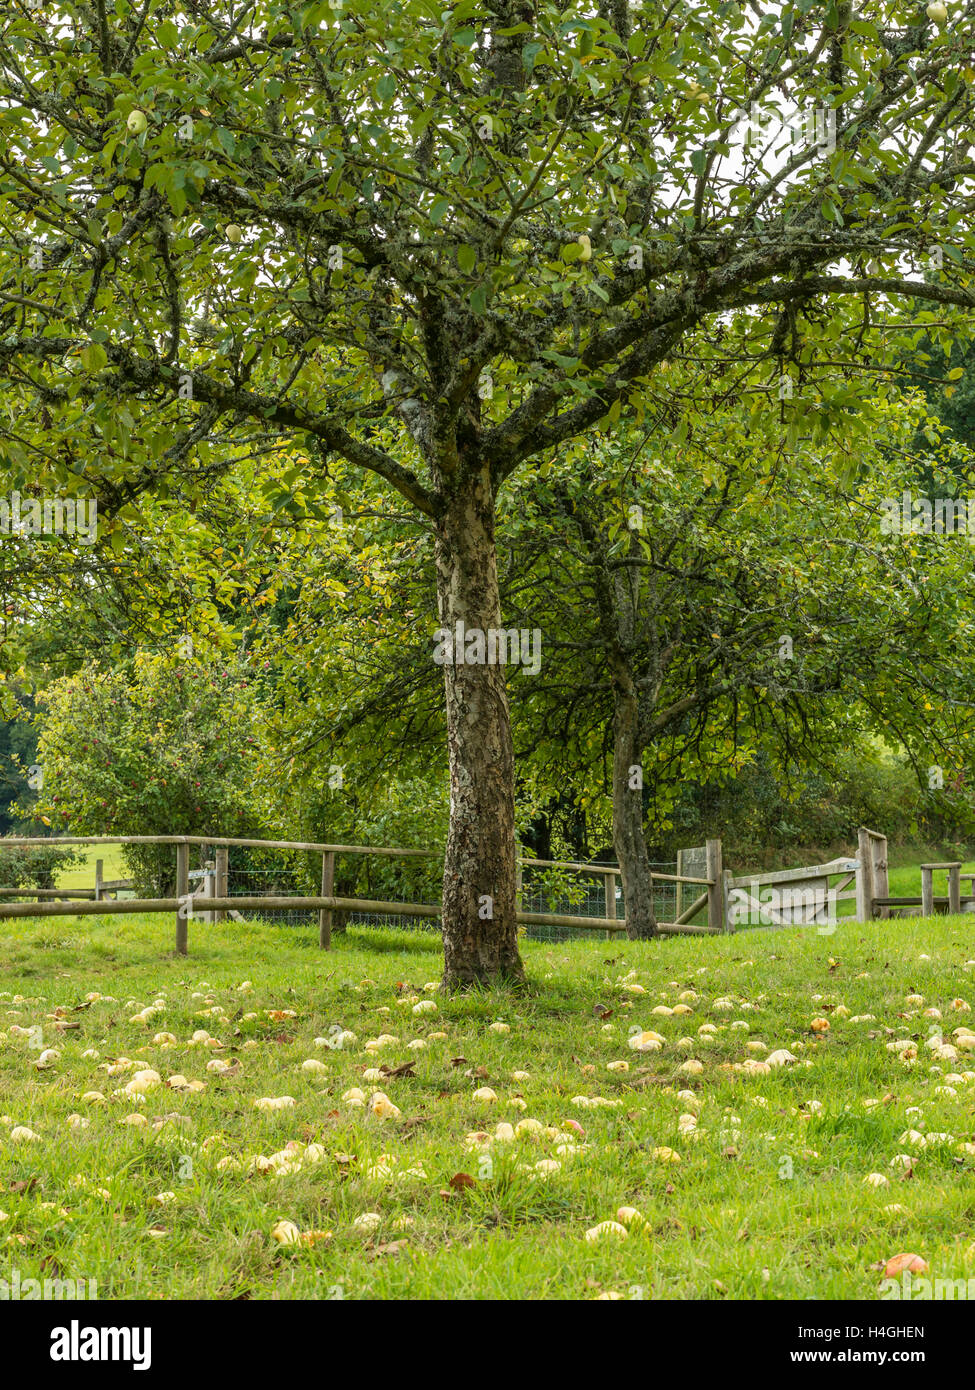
{"x": 768, "y": 1200}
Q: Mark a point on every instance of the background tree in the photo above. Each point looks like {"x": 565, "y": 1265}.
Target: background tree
{"x": 703, "y": 609}
{"x": 170, "y": 740}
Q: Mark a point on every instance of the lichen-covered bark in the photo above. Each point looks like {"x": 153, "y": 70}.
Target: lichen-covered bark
{"x": 479, "y": 930}
{"x": 628, "y": 837}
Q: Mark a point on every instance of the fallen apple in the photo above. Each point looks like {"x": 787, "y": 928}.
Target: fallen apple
{"x": 286, "y": 1233}
{"x": 898, "y": 1263}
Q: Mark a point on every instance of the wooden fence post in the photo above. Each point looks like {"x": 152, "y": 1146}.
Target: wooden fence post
{"x": 99, "y": 875}
{"x": 865, "y": 885}
{"x": 182, "y": 898}
{"x": 881, "y": 881}
{"x": 328, "y": 888}
{"x": 609, "y": 892}
{"x": 223, "y": 880}
{"x": 714, "y": 870}
{"x": 927, "y": 891}
{"x": 954, "y": 889}
{"x": 727, "y": 916}
{"x": 209, "y": 888}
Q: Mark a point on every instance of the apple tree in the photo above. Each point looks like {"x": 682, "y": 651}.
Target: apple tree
{"x": 439, "y": 242}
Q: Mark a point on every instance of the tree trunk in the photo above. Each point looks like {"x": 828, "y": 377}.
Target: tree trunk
{"x": 628, "y": 836}
{"x": 479, "y": 929}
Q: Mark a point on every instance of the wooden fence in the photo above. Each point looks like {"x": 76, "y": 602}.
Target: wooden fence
{"x": 780, "y": 897}
{"x": 211, "y": 902}
{"x": 784, "y": 897}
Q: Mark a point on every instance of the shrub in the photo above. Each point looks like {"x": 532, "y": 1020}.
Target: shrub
{"x": 36, "y": 867}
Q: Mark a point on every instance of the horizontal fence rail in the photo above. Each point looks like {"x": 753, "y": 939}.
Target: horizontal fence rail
{"x": 211, "y": 902}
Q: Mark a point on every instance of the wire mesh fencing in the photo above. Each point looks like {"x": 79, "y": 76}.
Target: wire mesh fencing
{"x": 559, "y": 892}
{"x": 572, "y": 892}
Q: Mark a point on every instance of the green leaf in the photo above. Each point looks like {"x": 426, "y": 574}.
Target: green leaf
{"x": 466, "y": 258}
{"x": 528, "y": 55}
{"x": 93, "y": 357}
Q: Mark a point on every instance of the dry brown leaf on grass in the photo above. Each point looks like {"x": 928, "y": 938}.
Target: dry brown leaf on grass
{"x": 461, "y": 1180}
{"x": 649, "y": 1080}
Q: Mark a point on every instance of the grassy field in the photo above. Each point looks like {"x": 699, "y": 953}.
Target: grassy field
{"x": 749, "y": 1184}
{"x": 82, "y": 874}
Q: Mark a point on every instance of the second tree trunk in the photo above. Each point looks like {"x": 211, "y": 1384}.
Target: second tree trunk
{"x": 628, "y": 836}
